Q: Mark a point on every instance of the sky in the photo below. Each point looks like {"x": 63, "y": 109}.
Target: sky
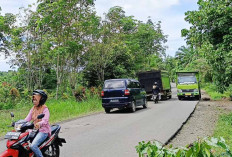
{"x": 171, "y": 13}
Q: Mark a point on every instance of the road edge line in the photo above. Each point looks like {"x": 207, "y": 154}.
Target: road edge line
{"x": 178, "y": 130}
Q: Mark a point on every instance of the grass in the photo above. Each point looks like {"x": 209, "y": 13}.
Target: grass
{"x": 59, "y": 110}
{"x": 224, "y": 128}
{"x": 212, "y": 91}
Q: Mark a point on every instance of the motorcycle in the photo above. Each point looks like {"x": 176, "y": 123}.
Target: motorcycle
{"x": 20, "y": 139}
{"x": 156, "y": 98}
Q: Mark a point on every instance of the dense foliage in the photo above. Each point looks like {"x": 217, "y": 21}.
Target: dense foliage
{"x": 6, "y": 24}
{"x": 210, "y": 37}
{"x": 64, "y": 45}
{"x": 201, "y": 148}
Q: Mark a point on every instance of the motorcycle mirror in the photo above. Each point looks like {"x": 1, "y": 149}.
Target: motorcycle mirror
{"x": 12, "y": 114}
{"x": 40, "y": 116}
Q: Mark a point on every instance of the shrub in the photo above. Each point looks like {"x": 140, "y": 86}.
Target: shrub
{"x": 201, "y": 148}
{"x": 211, "y": 89}
{"x": 14, "y": 93}
{"x": 230, "y": 91}
{"x": 65, "y": 96}
{"x": 80, "y": 93}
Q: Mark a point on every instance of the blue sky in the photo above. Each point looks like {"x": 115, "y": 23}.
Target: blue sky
{"x": 169, "y": 12}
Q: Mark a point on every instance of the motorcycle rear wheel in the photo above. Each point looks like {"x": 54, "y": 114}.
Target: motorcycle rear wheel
{"x": 52, "y": 151}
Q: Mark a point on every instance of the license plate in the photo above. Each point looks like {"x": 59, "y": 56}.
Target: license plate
{"x": 114, "y": 100}
{"x": 188, "y": 94}
{"x": 12, "y": 135}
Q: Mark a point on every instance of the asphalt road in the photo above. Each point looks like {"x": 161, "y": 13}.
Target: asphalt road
{"x": 116, "y": 134}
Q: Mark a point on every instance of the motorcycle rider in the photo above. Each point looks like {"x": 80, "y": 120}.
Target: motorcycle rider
{"x": 156, "y": 92}
{"x": 39, "y": 98}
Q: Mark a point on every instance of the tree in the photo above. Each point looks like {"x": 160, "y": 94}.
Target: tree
{"x": 6, "y": 25}
{"x": 211, "y": 34}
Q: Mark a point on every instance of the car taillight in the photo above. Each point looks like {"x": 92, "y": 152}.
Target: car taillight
{"x": 127, "y": 92}
{"x": 102, "y": 93}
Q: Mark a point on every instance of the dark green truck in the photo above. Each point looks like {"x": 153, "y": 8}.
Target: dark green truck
{"x": 148, "y": 78}
{"x": 188, "y": 85}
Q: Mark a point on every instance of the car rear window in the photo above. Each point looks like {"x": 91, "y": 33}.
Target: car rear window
{"x": 114, "y": 84}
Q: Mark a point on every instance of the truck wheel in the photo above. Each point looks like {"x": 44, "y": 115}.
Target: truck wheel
{"x": 164, "y": 97}
{"x": 133, "y": 107}
{"x": 197, "y": 97}
{"x": 170, "y": 96}
{"x": 179, "y": 97}
{"x": 145, "y": 103}
{"x": 107, "y": 110}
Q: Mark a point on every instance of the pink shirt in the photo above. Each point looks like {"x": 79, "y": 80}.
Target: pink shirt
{"x": 44, "y": 123}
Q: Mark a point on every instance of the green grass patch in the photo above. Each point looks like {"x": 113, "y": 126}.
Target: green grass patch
{"x": 224, "y": 128}
{"x": 211, "y": 89}
{"x": 59, "y": 110}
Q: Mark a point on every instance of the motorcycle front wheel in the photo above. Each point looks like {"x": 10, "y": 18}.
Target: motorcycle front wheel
{"x": 52, "y": 151}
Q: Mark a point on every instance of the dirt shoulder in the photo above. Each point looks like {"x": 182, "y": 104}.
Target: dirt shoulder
{"x": 202, "y": 122}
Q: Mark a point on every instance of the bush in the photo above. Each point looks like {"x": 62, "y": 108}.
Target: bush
{"x": 14, "y": 93}
{"x": 211, "y": 89}
{"x": 65, "y": 96}
{"x": 201, "y": 148}
{"x": 229, "y": 90}
{"x": 80, "y": 93}
{"x": 223, "y": 128}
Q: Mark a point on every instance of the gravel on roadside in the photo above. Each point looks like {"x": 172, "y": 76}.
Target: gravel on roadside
{"x": 202, "y": 122}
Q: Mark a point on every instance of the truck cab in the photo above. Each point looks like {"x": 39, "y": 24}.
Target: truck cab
{"x": 188, "y": 85}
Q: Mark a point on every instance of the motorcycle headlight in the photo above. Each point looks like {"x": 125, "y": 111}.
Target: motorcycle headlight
{"x": 179, "y": 90}
{"x": 17, "y": 127}
{"x": 195, "y": 90}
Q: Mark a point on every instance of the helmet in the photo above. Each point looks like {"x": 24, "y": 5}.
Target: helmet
{"x": 43, "y": 96}
{"x": 155, "y": 83}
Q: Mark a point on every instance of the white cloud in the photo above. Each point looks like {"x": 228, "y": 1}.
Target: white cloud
{"x": 140, "y": 9}
{"x": 12, "y": 6}
{"x": 147, "y": 4}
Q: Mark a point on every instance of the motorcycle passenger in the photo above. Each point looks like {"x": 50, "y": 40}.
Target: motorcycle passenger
{"x": 39, "y": 98}
{"x": 156, "y": 92}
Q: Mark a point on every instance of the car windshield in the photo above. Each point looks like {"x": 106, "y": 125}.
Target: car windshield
{"x": 114, "y": 84}
{"x": 187, "y": 79}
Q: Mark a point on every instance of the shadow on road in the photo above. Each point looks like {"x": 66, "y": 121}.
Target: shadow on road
{"x": 127, "y": 111}
{"x": 189, "y": 99}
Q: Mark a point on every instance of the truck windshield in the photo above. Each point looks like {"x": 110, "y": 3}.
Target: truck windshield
{"x": 114, "y": 84}
{"x": 187, "y": 80}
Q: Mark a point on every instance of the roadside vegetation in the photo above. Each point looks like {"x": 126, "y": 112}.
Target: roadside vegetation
{"x": 66, "y": 49}
{"x": 201, "y": 148}
{"x": 59, "y": 110}
{"x": 208, "y": 51}
{"x": 224, "y": 128}
{"x": 211, "y": 89}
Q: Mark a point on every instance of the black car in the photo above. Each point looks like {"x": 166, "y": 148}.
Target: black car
{"x": 123, "y": 93}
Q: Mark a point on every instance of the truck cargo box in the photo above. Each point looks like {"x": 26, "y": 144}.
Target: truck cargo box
{"x": 148, "y": 78}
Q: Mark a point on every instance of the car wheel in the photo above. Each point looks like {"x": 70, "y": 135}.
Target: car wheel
{"x": 107, "y": 110}
{"x": 145, "y": 103}
{"x": 133, "y": 107}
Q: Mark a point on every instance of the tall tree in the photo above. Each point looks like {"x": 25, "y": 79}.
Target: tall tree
{"x": 6, "y": 26}
{"x": 211, "y": 34}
